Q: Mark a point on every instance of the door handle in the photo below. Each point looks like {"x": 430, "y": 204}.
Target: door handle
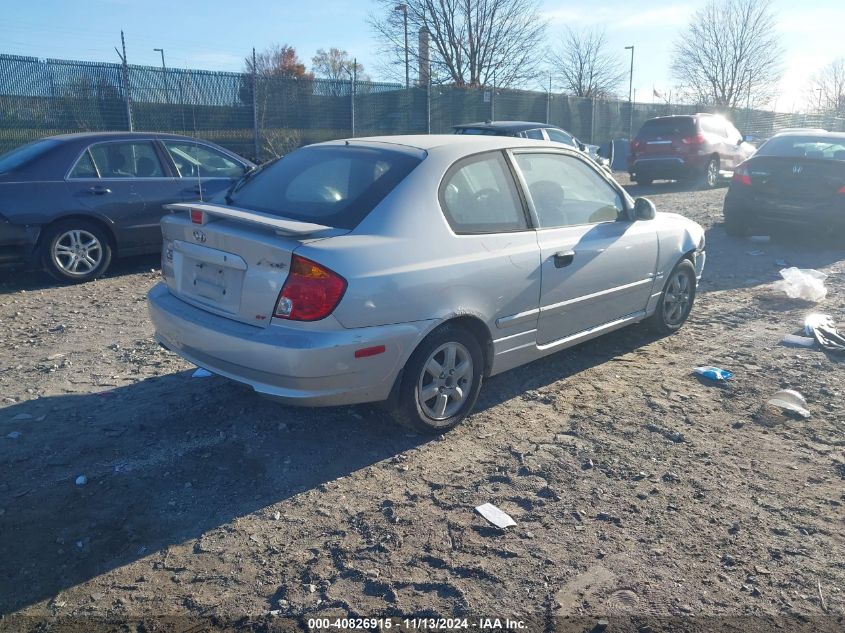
{"x": 99, "y": 191}
{"x": 563, "y": 258}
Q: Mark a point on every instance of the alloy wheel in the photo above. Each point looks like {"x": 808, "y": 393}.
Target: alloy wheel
{"x": 676, "y": 300}
{"x": 445, "y": 381}
{"x": 77, "y": 252}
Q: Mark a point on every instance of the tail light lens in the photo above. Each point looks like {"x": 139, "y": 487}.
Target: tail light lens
{"x": 197, "y": 216}
{"x": 698, "y": 139}
{"x": 741, "y": 174}
{"x": 842, "y": 190}
{"x": 310, "y": 293}
{"x": 635, "y": 146}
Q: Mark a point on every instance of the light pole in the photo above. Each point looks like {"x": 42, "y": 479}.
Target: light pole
{"x": 164, "y": 70}
{"x": 631, "y": 92}
{"x": 404, "y": 9}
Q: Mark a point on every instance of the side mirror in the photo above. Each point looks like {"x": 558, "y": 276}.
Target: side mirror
{"x": 644, "y": 209}
{"x": 582, "y": 146}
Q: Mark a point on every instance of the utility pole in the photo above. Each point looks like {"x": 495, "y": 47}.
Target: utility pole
{"x": 820, "y": 90}
{"x": 404, "y": 9}
{"x": 549, "y": 101}
{"x": 631, "y": 92}
{"x": 127, "y": 96}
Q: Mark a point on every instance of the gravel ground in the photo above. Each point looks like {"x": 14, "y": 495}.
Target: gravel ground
{"x": 638, "y": 489}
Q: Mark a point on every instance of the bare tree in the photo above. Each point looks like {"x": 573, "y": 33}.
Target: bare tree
{"x": 471, "y": 41}
{"x": 828, "y": 88}
{"x": 730, "y": 53}
{"x": 585, "y": 66}
{"x": 337, "y": 65}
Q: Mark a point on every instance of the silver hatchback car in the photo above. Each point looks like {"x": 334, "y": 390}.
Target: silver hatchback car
{"x": 406, "y": 269}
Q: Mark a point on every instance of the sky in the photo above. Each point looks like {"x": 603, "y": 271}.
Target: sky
{"x": 218, "y": 34}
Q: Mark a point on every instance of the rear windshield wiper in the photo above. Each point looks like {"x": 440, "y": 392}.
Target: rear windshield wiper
{"x": 244, "y": 179}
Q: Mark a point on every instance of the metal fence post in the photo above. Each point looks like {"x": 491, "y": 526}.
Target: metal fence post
{"x": 428, "y": 100}
{"x": 255, "y": 140}
{"x": 352, "y": 91}
{"x": 127, "y": 93}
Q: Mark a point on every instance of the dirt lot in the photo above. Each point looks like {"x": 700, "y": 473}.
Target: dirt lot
{"x": 637, "y": 488}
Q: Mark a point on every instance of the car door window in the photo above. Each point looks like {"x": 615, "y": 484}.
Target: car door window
{"x": 195, "y": 160}
{"x": 568, "y": 192}
{"x": 535, "y": 134}
{"x": 84, "y": 167}
{"x": 132, "y": 159}
{"x": 478, "y": 195}
{"x": 559, "y": 136}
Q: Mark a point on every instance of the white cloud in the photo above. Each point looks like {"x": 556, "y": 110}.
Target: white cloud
{"x": 674, "y": 15}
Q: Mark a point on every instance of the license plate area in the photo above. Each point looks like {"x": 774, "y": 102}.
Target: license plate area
{"x": 209, "y": 276}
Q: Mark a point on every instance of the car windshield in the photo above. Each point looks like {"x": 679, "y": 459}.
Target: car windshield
{"x": 669, "y": 126}
{"x": 831, "y": 148}
{"x": 25, "y": 154}
{"x": 334, "y": 185}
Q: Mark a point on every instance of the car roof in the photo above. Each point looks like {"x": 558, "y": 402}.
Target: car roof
{"x": 413, "y": 143}
{"x": 812, "y": 134}
{"x": 95, "y": 136}
{"x": 511, "y": 126}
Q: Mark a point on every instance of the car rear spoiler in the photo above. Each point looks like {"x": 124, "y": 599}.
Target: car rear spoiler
{"x": 284, "y": 226}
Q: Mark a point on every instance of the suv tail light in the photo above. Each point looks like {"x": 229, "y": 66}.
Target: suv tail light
{"x": 310, "y": 293}
{"x": 742, "y": 176}
{"x": 635, "y": 146}
{"x": 698, "y": 139}
{"x": 842, "y": 190}
{"x": 197, "y": 216}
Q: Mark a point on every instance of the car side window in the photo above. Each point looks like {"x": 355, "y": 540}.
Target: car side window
{"x": 193, "y": 160}
{"x": 568, "y": 192}
{"x": 558, "y": 136}
{"x": 478, "y": 195}
{"x": 131, "y": 159}
{"x": 535, "y": 134}
{"x": 84, "y": 167}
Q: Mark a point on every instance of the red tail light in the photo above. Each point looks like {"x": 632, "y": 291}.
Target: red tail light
{"x": 698, "y": 139}
{"x": 311, "y": 291}
{"x": 197, "y": 216}
{"x": 635, "y": 146}
{"x": 742, "y": 176}
{"x": 842, "y": 190}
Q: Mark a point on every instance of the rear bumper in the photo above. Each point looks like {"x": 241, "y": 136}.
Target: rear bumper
{"x": 300, "y": 366}
{"x": 670, "y": 167}
{"x": 753, "y": 209}
{"x": 17, "y": 241}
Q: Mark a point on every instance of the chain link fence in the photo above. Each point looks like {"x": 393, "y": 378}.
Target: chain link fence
{"x": 262, "y": 117}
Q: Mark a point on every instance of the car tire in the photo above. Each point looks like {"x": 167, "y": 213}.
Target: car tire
{"x": 75, "y": 251}
{"x": 645, "y": 182}
{"x": 452, "y": 394}
{"x": 676, "y": 300}
{"x": 734, "y": 226}
{"x": 710, "y": 177}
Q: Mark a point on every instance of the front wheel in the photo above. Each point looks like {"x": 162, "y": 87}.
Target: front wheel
{"x": 676, "y": 301}
{"x": 440, "y": 382}
{"x": 75, "y": 251}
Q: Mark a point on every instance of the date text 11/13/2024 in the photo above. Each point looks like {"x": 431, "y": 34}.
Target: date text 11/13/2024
{"x": 432, "y": 624}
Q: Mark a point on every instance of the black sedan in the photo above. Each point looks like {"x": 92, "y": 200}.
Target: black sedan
{"x": 72, "y": 203}
{"x": 794, "y": 179}
{"x": 539, "y": 132}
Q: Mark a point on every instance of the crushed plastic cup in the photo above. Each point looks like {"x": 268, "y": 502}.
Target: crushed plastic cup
{"x": 791, "y": 401}
{"x": 798, "y": 341}
{"x": 802, "y": 283}
{"x": 713, "y": 373}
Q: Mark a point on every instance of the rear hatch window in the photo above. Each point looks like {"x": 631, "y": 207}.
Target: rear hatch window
{"x": 668, "y": 127}
{"x": 332, "y": 185}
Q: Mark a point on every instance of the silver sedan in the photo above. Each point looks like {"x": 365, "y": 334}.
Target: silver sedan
{"x": 406, "y": 269}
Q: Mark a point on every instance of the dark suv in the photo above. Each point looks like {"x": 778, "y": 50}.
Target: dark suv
{"x": 698, "y": 147}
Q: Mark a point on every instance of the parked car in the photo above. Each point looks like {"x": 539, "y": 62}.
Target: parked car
{"x": 702, "y": 148}
{"x": 406, "y": 269}
{"x": 794, "y": 179}
{"x": 73, "y": 203}
{"x": 539, "y": 132}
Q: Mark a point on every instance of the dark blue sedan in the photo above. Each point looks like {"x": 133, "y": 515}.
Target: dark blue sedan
{"x": 73, "y": 203}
